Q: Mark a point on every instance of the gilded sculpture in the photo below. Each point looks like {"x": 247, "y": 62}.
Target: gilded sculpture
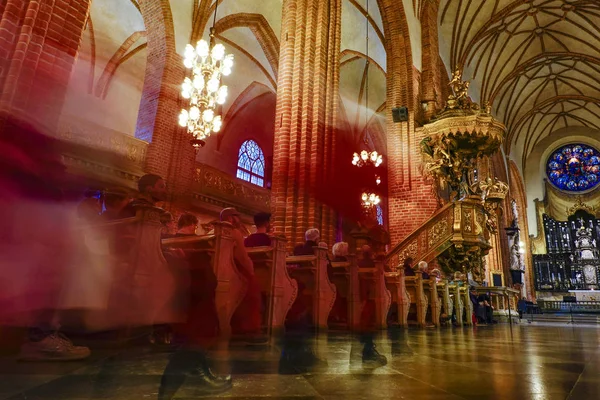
{"x": 461, "y": 138}
{"x": 459, "y": 99}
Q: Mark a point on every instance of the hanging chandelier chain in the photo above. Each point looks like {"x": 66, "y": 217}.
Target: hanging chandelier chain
{"x": 215, "y": 16}
{"x": 208, "y": 63}
{"x": 367, "y": 75}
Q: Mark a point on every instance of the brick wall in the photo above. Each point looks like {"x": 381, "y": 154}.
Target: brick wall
{"x": 431, "y": 80}
{"x": 169, "y": 153}
{"x": 410, "y": 200}
{"x": 39, "y": 42}
{"x": 305, "y": 116}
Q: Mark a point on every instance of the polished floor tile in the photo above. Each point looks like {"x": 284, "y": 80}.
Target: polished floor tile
{"x": 528, "y": 362}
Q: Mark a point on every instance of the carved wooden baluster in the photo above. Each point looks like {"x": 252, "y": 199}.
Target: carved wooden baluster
{"x": 383, "y": 297}
{"x": 467, "y": 304}
{"x": 325, "y": 291}
{"x": 285, "y": 289}
{"x": 231, "y": 285}
{"x": 430, "y": 289}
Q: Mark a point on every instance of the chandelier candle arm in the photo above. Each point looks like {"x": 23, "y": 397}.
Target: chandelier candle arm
{"x": 208, "y": 63}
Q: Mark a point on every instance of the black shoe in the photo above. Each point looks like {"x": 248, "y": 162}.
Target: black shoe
{"x": 299, "y": 359}
{"x": 186, "y": 365}
{"x": 372, "y": 359}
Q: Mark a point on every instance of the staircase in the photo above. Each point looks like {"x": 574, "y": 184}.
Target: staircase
{"x": 453, "y": 229}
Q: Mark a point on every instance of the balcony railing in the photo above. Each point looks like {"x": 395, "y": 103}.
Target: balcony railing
{"x": 216, "y": 187}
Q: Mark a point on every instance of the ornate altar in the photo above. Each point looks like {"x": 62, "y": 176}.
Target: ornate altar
{"x": 586, "y": 257}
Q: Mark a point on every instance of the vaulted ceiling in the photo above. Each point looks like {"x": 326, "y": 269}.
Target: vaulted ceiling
{"x": 537, "y": 62}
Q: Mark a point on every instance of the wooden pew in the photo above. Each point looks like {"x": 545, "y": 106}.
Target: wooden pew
{"x": 345, "y": 279}
{"x": 378, "y": 292}
{"x": 136, "y": 284}
{"x": 312, "y": 272}
{"x": 231, "y": 285}
{"x": 272, "y": 275}
{"x": 418, "y": 300}
{"x": 458, "y": 305}
{"x": 467, "y": 304}
{"x": 433, "y": 301}
{"x": 396, "y": 286}
{"x": 447, "y": 303}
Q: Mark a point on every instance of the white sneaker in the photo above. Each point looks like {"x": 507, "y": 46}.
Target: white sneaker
{"x": 55, "y": 347}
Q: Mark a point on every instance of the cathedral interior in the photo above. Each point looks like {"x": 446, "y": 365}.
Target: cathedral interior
{"x": 308, "y": 199}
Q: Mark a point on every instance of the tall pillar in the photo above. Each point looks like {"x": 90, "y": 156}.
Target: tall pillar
{"x": 431, "y": 91}
{"x": 39, "y": 42}
{"x": 170, "y": 154}
{"x": 306, "y": 115}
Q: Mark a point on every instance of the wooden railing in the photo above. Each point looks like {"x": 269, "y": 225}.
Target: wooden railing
{"x": 591, "y": 307}
{"x": 423, "y": 242}
{"x": 504, "y": 299}
{"x": 460, "y": 224}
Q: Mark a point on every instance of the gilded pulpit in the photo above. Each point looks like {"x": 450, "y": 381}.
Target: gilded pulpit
{"x": 457, "y": 149}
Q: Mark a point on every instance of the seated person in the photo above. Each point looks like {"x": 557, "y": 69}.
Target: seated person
{"x": 423, "y": 268}
{"x": 187, "y": 225}
{"x": 340, "y": 252}
{"x": 307, "y": 248}
{"x": 408, "y": 269}
{"x": 262, "y": 221}
{"x": 486, "y": 311}
{"x": 152, "y": 189}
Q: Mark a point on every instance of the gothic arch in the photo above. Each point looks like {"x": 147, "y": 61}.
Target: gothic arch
{"x": 160, "y": 101}
{"x": 259, "y": 26}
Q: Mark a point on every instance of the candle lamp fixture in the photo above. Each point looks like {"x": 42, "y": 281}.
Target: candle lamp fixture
{"x": 367, "y": 157}
{"x": 370, "y": 199}
{"x": 208, "y": 63}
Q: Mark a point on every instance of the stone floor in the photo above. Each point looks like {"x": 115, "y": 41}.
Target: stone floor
{"x": 490, "y": 362}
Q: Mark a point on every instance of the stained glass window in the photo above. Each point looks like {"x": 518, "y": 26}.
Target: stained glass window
{"x": 574, "y": 168}
{"x": 379, "y": 214}
{"x": 251, "y": 163}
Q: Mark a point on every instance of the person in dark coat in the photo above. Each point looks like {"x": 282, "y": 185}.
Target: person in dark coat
{"x": 261, "y": 238}
{"x": 307, "y": 248}
{"x": 201, "y": 327}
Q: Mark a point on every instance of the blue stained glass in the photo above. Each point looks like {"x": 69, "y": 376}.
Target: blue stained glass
{"x": 574, "y": 168}
{"x": 251, "y": 163}
{"x": 379, "y": 215}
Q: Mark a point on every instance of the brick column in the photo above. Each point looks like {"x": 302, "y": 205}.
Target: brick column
{"x": 431, "y": 82}
{"x": 306, "y": 115}
{"x": 170, "y": 154}
{"x": 410, "y": 201}
{"x": 39, "y": 42}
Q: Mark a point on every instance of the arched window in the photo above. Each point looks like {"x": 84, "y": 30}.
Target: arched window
{"x": 574, "y": 168}
{"x": 251, "y": 163}
{"x": 379, "y": 215}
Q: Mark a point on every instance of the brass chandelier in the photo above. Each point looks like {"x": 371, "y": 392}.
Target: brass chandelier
{"x": 209, "y": 64}
{"x": 365, "y": 157}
